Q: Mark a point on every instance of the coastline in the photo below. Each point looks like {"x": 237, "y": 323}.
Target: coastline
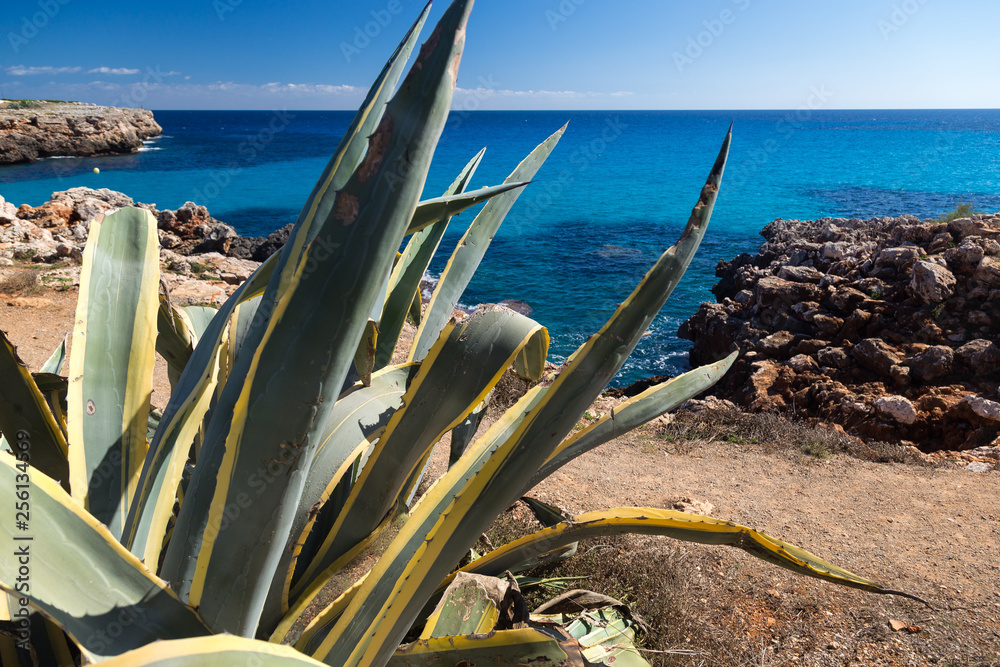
{"x": 887, "y": 327}
{"x": 884, "y": 329}
{"x": 30, "y": 130}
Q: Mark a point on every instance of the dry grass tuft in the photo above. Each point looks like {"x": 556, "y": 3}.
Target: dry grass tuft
{"x": 656, "y": 578}
{"x": 773, "y": 432}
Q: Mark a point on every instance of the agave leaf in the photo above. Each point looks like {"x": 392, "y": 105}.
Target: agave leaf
{"x": 179, "y": 330}
{"x": 161, "y": 471}
{"x": 364, "y": 357}
{"x": 404, "y": 282}
{"x": 527, "y": 646}
{"x": 189, "y": 402}
{"x": 606, "y": 636}
{"x": 414, "y": 314}
{"x": 671, "y": 523}
{"x": 102, "y": 584}
{"x": 403, "y": 580}
{"x": 319, "y": 207}
{"x": 432, "y": 211}
{"x": 470, "y": 251}
{"x": 470, "y": 605}
{"x": 321, "y": 625}
{"x": 530, "y": 364}
{"x": 54, "y": 363}
{"x": 295, "y": 371}
{"x": 200, "y": 318}
{"x": 638, "y": 410}
{"x": 315, "y": 635}
{"x": 175, "y": 341}
{"x": 111, "y": 371}
{"x": 212, "y": 652}
{"x": 27, "y": 422}
{"x": 462, "y": 368}
{"x": 359, "y": 416}
{"x": 463, "y": 434}
{"x": 46, "y": 643}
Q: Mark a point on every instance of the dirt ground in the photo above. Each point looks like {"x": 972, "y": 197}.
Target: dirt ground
{"x": 933, "y": 531}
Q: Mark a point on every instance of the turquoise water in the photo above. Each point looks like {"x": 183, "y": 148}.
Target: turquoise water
{"x": 612, "y": 197}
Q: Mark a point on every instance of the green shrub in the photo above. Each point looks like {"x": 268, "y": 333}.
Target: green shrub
{"x": 962, "y": 210}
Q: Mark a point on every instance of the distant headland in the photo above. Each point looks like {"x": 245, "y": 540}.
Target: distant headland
{"x": 33, "y": 129}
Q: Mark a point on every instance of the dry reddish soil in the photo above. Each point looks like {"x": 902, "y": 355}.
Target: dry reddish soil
{"x": 933, "y": 531}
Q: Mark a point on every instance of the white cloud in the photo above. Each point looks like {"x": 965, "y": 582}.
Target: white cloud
{"x": 21, "y": 70}
{"x": 483, "y": 92}
{"x": 489, "y": 97}
{"x": 155, "y": 92}
{"x": 113, "y": 70}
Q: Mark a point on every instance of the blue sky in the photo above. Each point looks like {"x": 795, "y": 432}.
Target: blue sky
{"x": 520, "y": 54}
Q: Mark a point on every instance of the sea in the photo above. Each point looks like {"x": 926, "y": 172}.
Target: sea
{"x": 613, "y": 196}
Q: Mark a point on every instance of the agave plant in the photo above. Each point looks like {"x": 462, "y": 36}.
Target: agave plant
{"x": 291, "y": 445}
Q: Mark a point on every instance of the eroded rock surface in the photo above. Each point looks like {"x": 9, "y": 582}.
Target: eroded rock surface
{"x": 889, "y": 327}
{"x": 71, "y": 129}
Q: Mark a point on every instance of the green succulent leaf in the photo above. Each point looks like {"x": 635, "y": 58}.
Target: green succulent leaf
{"x": 606, "y": 636}
{"x": 45, "y": 643}
{"x": 470, "y": 605}
{"x": 111, "y": 370}
{"x": 102, "y": 586}
{"x": 471, "y": 248}
{"x": 393, "y": 595}
{"x": 638, "y": 410}
{"x": 670, "y": 523}
{"x": 462, "y": 368}
{"x": 55, "y": 362}
{"x": 312, "y": 638}
{"x": 294, "y": 371}
{"x": 404, "y": 282}
{"x": 212, "y": 652}
{"x": 432, "y": 211}
{"x": 26, "y": 420}
{"x": 527, "y": 646}
{"x": 359, "y": 417}
{"x": 191, "y": 398}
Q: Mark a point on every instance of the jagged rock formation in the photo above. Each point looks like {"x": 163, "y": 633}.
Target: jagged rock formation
{"x": 71, "y": 129}
{"x": 889, "y": 327}
{"x": 195, "y": 248}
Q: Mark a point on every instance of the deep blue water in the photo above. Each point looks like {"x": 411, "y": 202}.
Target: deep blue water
{"x": 612, "y": 197}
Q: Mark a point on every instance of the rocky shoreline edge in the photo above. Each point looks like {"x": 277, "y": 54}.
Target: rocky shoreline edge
{"x": 887, "y": 327}
{"x": 30, "y": 130}
{"x": 203, "y": 260}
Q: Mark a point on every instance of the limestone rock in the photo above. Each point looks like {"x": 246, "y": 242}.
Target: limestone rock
{"x": 898, "y": 408}
{"x": 72, "y": 129}
{"x": 899, "y": 257}
{"x": 894, "y": 299}
{"x": 800, "y": 274}
{"x": 988, "y": 271}
{"x": 933, "y": 363}
{"x": 966, "y": 255}
{"x": 983, "y": 408}
{"x": 834, "y": 357}
{"x": 932, "y": 282}
{"x": 876, "y": 355}
{"x": 980, "y": 356}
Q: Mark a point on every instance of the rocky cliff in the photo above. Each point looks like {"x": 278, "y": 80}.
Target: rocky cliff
{"x": 203, "y": 259}
{"x": 70, "y": 129}
{"x": 888, "y": 327}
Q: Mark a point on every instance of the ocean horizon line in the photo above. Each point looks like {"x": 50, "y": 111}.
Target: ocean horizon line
{"x": 487, "y": 111}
